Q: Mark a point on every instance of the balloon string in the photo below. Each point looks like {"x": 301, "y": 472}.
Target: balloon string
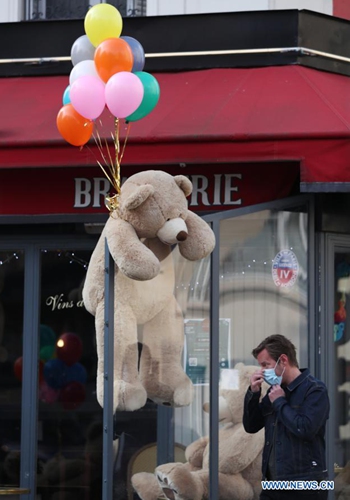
{"x": 117, "y": 159}
{"x": 113, "y": 176}
{"x": 125, "y": 141}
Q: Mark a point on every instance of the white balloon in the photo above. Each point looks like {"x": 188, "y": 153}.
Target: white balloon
{"x": 82, "y": 49}
{"x": 81, "y": 69}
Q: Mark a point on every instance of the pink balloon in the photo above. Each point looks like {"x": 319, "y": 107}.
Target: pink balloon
{"x": 48, "y": 394}
{"x": 87, "y": 95}
{"x": 124, "y": 93}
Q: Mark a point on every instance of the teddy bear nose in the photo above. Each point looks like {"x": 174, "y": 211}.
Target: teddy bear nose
{"x": 181, "y": 236}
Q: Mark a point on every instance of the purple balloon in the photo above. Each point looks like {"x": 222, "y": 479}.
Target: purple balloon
{"x": 137, "y": 52}
{"x": 124, "y": 93}
{"x": 87, "y": 95}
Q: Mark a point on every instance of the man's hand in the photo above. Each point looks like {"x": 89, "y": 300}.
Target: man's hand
{"x": 276, "y": 392}
{"x": 256, "y": 380}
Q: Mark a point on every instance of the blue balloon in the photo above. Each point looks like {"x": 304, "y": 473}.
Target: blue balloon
{"x": 66, "y": 96}
{"x": 55, "y": 373}
{"x": 137, "y": 51}
{"x": 76, "y": 373}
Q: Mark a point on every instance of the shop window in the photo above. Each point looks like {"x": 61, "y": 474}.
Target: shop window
{"x": 263, "y": 281}
{"x": 70, "y": 420}
{"x": 11, "y": 350}
{"x": 77, "y": 9}
{"x": 69, "y": 417}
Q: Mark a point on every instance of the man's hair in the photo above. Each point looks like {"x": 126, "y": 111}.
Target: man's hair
{"x": 275, "y": 346}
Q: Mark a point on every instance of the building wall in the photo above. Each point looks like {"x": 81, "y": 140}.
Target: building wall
{"x": 11, "y": 11}
{"x": 341, "y": 8}
{"x": 169, "y": 7}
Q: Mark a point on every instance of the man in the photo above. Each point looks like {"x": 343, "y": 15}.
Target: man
{"x": 294, "y": 413}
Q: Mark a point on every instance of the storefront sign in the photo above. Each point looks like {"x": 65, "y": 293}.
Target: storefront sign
{"x": 81, "y": 190}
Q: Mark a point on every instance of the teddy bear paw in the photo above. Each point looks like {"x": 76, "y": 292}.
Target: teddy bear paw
{"x": 126, "y": 396}
{"x": 178, "y": 483}
{"x": 175, "y": 392}
{"x": 146, "y": 486}
{"x": 167, "y": 486}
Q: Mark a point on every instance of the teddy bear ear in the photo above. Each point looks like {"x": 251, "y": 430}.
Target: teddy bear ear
{"x": 138, "y": 197}
{"x": 184, "y": 183}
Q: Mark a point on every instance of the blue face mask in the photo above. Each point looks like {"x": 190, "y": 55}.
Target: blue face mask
{"x": 270, "y": 376}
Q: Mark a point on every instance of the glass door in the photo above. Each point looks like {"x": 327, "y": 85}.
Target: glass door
{"x": 256, "y": 283}
{"x": 335, "y": 327}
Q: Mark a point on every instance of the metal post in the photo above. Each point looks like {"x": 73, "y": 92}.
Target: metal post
{"x": 107, "y": 468}
{"x": 29, "y": 418}
{"x": 214, "y": 366}
{"x": 165, "y": 435}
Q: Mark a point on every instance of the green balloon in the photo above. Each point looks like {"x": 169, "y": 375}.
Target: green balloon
{"x": 47, "y": 352}
{"x": 47, "y": 336}
{"x": 150, "y": 96}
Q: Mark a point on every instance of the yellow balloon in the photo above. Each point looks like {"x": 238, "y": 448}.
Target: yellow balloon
{"x": 101, "y": 22}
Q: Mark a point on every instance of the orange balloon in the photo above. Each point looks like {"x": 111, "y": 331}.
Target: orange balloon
{"x": 73, "y": 127}
{"x": 112, "y": 56}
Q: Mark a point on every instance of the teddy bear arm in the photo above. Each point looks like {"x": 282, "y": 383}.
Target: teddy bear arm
{"x": 194, "y": 452}
{"x": 200, "y": 241}
{"x": 93, "y": 289}
{"x": 131, "y": 256}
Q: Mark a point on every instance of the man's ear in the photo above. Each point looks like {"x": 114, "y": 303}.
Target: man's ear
{"x": 284, "y": 359}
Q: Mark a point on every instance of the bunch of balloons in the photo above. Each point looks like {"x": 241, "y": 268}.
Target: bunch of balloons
{"x": 107, "y": 71}
{"x": 61, "y": 377}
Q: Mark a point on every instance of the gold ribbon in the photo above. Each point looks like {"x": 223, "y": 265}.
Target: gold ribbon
{"x": 110, "y": 166}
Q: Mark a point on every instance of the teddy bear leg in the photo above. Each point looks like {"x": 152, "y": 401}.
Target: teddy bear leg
{"x": 179, "y": 483}
{"x": 161, "y": 370}
{"x": 128, "y": 392}
{"x": 234, "y": 487}
{"x": 146, "y": 486}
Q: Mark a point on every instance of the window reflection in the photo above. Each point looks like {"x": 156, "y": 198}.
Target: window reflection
{"x": 263, "y": 280}
{"x": 263, "y": 290}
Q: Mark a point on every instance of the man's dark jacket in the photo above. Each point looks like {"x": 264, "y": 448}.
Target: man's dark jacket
{"x": 296, "y": 424}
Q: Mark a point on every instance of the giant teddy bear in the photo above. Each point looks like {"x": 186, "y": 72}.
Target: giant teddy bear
{"x": 240, "y": 457}
{"x": 152, "y": 216}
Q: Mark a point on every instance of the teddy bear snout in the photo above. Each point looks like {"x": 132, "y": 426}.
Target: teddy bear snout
{"x": 173, "y": 231}
{"x": 182, "y": 236}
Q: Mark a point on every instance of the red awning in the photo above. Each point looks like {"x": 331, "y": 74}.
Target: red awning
{"x": 218, "y": 115}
